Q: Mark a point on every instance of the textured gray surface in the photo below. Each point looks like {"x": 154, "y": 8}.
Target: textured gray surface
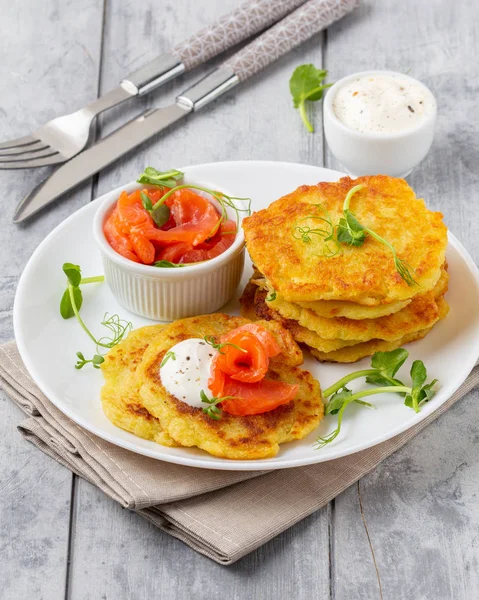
{"x": 418, "y": 511}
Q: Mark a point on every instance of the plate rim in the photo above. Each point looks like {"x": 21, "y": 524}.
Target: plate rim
{"x": 224, "y": 464}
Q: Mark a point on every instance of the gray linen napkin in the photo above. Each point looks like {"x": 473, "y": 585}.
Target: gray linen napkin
{"x": 183, "y": 501}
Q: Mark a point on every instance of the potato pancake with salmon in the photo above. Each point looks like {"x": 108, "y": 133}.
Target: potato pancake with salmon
{"x": 289, "y": 397}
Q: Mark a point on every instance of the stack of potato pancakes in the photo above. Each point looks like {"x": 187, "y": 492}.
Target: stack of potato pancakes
{"x": 344, "y": 301}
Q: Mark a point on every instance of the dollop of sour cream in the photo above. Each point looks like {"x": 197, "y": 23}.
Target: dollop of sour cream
{"x": 187, "y": 371}
{"x": 382, "y": 103}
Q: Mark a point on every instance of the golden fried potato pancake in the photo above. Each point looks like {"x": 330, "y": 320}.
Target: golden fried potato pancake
{"x": 247, "y": 301}
{"x": 355, "y": 353}
{"x": 119, "y": 395}
{"x": 329, "y": 350}
{"x": 422, "y": 312}
{"x": 233, "y": 437}
{"x": 302, "y": 272}
{"x": 338, "y": 308}
{"x": 254, "y": 307}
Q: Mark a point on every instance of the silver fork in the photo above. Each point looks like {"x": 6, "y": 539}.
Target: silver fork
{"x": 62, "y": 138}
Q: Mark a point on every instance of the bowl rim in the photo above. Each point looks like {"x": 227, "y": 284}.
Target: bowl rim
{"x": 330, "y": 114}
{"x": 110, "y": 198}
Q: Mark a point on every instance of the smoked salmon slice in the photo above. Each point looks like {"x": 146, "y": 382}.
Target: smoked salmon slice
{"x": 193, "y": 233}
{"x": 239, "y": 370}
{"x": 119, "y": 241}
{"x": 202, "y": 221}
{"x": 256, "y": 398}
{"x": 131, "y": 212}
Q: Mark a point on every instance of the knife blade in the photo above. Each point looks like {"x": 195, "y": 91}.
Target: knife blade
{"x": 121, "y": 141}
{"x": 99, "y": 156}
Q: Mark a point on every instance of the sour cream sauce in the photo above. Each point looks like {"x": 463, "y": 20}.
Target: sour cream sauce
{"x": 383, "y": 103}
{"x": 187, "y": 371}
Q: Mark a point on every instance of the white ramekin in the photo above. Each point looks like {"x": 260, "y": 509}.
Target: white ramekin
{"x": 164, "y": 294}
{"x": 394, "y": 154}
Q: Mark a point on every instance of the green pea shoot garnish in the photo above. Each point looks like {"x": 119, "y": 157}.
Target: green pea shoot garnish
{"x": 384, "y": 366}
{"x": 212, "y": 410}
{"x": 70, "y": 305}
{"x": 350, "y": 231}
{"x": 167, "y": 357}
{"x": 306, "y": 85}
{"x": 209, "y": 339}
{"x": 324, "y": 230}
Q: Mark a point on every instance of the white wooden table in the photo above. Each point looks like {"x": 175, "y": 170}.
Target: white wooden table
{"x": 408, "y": 530}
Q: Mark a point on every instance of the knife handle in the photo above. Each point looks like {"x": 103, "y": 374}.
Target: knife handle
{"x": 294, "y": 29}
{"x": 290, "y": 32}
{"x": 248, "y": 19}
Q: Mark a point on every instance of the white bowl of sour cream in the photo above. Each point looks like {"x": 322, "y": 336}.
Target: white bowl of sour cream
{"x": 379, "y": 122}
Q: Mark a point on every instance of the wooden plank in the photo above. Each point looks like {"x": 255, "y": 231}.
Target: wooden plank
{"x": 115, "y": 553}
{"x": 34, "y": 515}
{"x": 419, "y": 506}
{"x": 49, "y": 66}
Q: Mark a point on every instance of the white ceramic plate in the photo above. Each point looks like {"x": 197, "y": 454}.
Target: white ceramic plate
{"x": 48, "y": 344}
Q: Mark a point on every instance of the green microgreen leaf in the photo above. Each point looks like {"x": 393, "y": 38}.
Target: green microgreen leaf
{"x": 157, "y": 178}
{"x": 387, "y": 365}
{"x": 350, "y": 231}
{"x": 166, "y": 264}
{"x": 209, "y": 339}
{"x": 339, "y": 398}
{"x": 390, "y": 362}
{"x": 271, "y": 297}
{"x": 160, "y": 215}
{"x": 96, "y": 361}
{"x": 167, "y": 357}
{"x": 419, "y": 392}
{"x": 73, "y": 273}
{"x": 212, "y": 409}
{"x": 66, "y": 309}
{"x": 306, "y": 84}
{"x": 145, "y": 200}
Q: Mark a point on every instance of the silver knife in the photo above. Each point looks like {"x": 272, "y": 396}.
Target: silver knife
{"x": 121, "y": 141}
{"x": 297, "y": 27}
{"x": 63, "y": 138}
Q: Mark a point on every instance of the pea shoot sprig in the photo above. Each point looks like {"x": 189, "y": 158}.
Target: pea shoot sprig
{"x": 211, "y": 409}
{"x": 167, "y": 357}
{"x": 306, "y": 85}
{"x": 350, "y": 231}
{"x": 384, "y": 366}
{"x": 160, "y": 212}
{"x": 209, "y": 339}
{"x": 70, "y": 305}
{"x": 325, "y": 231}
